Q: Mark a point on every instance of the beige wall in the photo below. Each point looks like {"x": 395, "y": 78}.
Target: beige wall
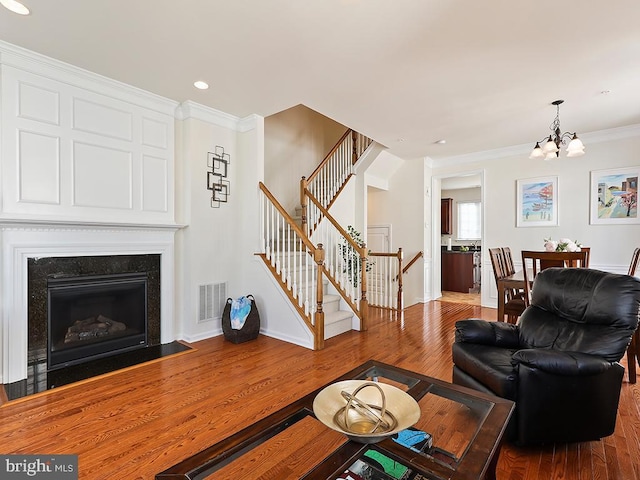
{"x": 296, "y": 141}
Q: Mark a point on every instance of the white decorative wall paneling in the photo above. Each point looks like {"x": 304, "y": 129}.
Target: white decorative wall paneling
{"x": 72, "y": 150}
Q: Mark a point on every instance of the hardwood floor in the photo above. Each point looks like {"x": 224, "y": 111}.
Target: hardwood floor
{"x": 134, "y": 423}
{"x": 457, "y": 297}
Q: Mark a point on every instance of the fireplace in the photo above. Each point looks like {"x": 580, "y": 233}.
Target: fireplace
{"x": 89, "y": 317}
{"x": 87, "y": 300}
{"x": 34, "y": 253}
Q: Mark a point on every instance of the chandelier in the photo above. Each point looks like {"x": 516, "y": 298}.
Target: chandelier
{"x": 551, "y": 147}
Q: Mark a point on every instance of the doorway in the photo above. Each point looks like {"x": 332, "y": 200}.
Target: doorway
{"x": 464, "y": 189}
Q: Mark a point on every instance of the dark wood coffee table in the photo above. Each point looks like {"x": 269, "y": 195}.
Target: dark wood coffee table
{"x": 467, "y": 429}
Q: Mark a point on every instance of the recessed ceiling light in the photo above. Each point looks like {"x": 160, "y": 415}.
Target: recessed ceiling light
{"x": 441, "y": 142}
{"x": 199, "y": 84}
{"x": 15, "y": 7}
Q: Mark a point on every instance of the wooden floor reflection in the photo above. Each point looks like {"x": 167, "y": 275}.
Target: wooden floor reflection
{"x": 134, "y": 423}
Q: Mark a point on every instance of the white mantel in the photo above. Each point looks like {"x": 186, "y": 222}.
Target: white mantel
{"x": 21, "y": 242}
{"x": 86, "y": 169}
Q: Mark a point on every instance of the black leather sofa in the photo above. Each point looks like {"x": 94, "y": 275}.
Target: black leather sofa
{"x": 560, "y": 362}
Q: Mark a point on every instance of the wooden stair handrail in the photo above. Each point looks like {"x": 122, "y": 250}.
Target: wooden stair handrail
{"x": 317, "y": 326}
{"x": 342, "y": 231}
{"x": 288, "y": 217}
{"x": 328, "y": 156}
{"x": 413, "y": 260}
{"x": 305, "y": 192}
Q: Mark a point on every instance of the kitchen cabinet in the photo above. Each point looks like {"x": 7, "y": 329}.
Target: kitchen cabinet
{"x": 457, "y": 271}
{"x": 446, "y": 216}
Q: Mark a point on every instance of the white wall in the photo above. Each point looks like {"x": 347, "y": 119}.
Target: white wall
{"x": 296, "y": 141}
{"x": 87, "y": 168}
{"x": 406, "y": 207}
{"x": 78, "y": 147}
{"x": 208, "y": 230}
{"x": 611, "y": 245}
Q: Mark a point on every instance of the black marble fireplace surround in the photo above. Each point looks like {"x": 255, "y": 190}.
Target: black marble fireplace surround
{"x": 41, "y": 271}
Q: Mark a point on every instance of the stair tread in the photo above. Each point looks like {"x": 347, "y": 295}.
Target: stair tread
{"x": 338, "y": 316}
{"x": 329, "y": 297}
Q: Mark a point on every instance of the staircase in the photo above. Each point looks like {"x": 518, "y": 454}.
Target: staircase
{"x": 337, "y": 320}
{"x": 317, "y": 263}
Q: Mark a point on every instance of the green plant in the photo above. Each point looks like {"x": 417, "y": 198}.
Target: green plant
{"x": 351, "y": 261}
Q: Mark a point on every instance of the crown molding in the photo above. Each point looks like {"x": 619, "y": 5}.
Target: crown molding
{"x": 249, "y": 123}
{"x": 608, "y": 135}
{"x": 190, "y": 109}
{"x": 56, "y": 70}
{"x": 483, "y": 156}
{"x": 612, "y": 134}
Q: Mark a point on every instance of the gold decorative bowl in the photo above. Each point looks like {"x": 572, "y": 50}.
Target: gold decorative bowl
{"x": 364, "y": 411}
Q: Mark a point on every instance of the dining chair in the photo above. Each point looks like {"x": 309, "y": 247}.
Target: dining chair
{"x": 497, "y": 262}
{"x": 635, "y": 260}
{"x": 542, "y": 260}
{"x": 508, "y": 260}
{"x": 513, "y": 300}
{"x": 557, "y": 260}
{"x": 633, "y": 355}
{"x": 574, "y": 263}
{"x": 510, "y": 270}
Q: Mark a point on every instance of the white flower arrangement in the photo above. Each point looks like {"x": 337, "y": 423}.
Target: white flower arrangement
{"x": 562, "y": 245}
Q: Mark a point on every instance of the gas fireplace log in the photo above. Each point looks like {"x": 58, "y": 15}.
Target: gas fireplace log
{"x": 92, "y": 327}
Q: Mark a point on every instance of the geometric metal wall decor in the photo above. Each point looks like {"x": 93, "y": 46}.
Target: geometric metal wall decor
{"x": 218, "y": 163}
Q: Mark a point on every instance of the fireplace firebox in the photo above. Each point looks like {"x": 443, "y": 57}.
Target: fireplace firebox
{"x": 94, "y": 316}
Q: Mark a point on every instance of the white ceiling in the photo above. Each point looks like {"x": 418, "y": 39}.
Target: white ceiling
{"x": 479, "y": 74}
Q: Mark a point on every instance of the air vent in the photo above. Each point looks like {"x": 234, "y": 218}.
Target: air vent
{"x": 211, "y": 300}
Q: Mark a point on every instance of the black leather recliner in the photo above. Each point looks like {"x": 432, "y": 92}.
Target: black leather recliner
{"x": 560, "y": 362}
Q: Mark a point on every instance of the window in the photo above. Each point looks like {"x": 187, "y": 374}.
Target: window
{"x": 469, "y": 220}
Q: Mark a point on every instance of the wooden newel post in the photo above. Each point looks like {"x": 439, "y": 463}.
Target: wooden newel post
{"x": 400, "y": 306}
{"x": 318, "y": 257}
{"x": 303, "y": 204}
{"x": 364, "y": 304}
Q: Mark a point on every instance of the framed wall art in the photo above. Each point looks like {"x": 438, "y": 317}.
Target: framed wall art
{"x": 537, "y": 202}
{"x": 614, "y": 196}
